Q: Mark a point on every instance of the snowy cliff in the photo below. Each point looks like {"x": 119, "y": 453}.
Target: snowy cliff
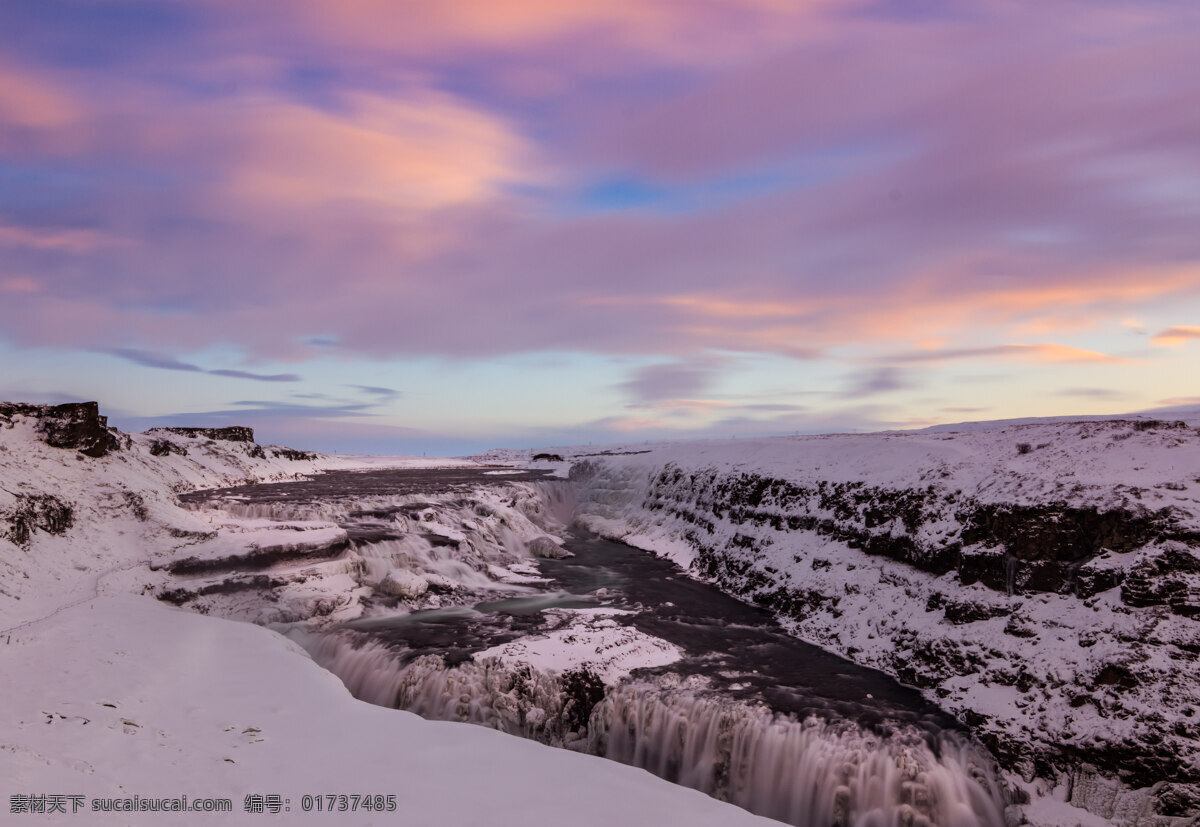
{"x": 1039, "y": 581}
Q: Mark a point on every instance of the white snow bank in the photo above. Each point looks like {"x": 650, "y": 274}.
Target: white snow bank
{"x": 123, "y": 696}
{"x": 586, "y": 637}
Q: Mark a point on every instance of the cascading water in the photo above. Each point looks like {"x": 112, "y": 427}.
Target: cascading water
{"x": 808, "y": 772}
{"x": 803, "y": 772}
{"x": 520, "y": 701}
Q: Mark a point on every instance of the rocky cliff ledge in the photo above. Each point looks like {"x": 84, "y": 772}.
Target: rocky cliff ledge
{"x": 1042, "y": 582}
{"x": 77, "y": 425}
{"x": 50, "y": 497}
{"x": 232, "y": 433}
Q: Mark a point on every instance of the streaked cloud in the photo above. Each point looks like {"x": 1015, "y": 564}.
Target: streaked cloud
{"x": 76, "y": 241}
{"x": 32, "y": 108}
{"x": 1093, "y": 393}
{"x": 1176, "y": 336}
{"x": 148, "y": 359}
{"x": 258, "y": 377}
{"x": 153, "y": 360}
{"x": 383, "y": 394}
{"x": 1045, "y": 352}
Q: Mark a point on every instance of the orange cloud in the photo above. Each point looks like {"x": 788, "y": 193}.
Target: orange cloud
{"x": 414, "y": 154}
{"x": 1175, "y": 336}
{"x": 632, "y": 423}
{"x": 1047, "y": 352}
{"x": 739, "y": 308}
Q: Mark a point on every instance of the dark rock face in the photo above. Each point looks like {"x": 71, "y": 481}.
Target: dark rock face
{"x": 163, "y": 447}
{"x": 1040, "y": 548}
{"x": 259, "y": 582}
{"x": 76, "y": 425}
{"x": 1008, "y": 548}
{"x": 39, "y": 512}
{"x": 1171, "y": 579}
{"x": 292, "y": 454}
{"x": 233, "y": 433}
{"x": 547, "y": 458}
{"x": 967, "y": 612}
{"x": 261, "y": 558}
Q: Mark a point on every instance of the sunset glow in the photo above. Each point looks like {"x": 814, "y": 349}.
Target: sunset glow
{"x": 407, "y": 227}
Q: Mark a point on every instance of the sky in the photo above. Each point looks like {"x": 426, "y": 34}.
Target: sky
{"x": 393, "y": 226}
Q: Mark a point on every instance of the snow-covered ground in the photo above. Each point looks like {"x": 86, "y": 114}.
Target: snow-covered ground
{"x": 111, "y": 694}
{"x": 586, "y": 638}
{"x": 121, "y": 696}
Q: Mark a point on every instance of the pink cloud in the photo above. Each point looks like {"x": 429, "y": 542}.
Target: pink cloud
{"x": 698, "y": 31}
{"x": 31, "y": 104}
{"x": 416, "y": 154}
{"x": 1174, "y": 336}
{"x": 1047, "y": 352}
{"x": 19, "y": 284}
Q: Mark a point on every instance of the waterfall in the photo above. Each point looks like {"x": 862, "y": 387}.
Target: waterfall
{"x": 809, "y": 772}
{"x": 517, "y": 700}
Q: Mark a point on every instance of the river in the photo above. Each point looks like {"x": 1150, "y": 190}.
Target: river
{"x": 727, "y": 702}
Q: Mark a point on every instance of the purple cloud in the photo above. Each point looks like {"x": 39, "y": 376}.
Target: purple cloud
{"x": 378, "y": 392}
{"x": 671, "y": 381}
{"x": 876, "y": 380}
{"x": 258, "y": 377}
{"x": 154, "y": 360}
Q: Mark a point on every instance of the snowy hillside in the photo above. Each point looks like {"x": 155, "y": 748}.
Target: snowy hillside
{"x": 1041, "y": 581}
{"x": 110, "y": 694}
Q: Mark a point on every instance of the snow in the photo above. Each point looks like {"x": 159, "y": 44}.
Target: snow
{"x": 243, "y": 540}
{"x": 110, "y": 693}
{"x": 122, "y": 696}
{"x": 587, "y": 638}
{"x": 888, "y": 614}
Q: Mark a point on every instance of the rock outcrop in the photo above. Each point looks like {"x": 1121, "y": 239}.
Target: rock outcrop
{"x": 77, "y": 425}
{"x": 232, "y": 433}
